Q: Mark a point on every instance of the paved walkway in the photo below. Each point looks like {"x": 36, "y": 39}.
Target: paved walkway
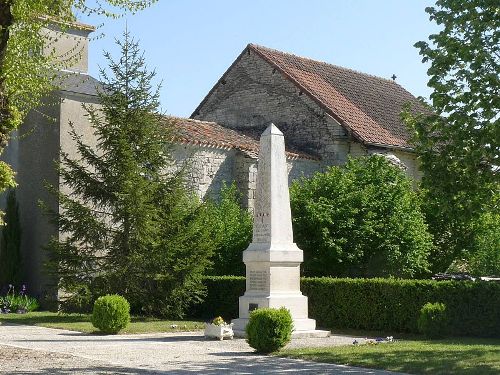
{"x": 37, "y": 350}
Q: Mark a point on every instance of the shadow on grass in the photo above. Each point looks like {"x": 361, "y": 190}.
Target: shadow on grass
{"x": 453, "y": 356}
{"x": 37, "y": 318}
{"x": 34, "y": 318}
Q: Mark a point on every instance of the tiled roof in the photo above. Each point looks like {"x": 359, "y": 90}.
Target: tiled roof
{"x": 211, "y": 134}
{"x": 368, "y": 106}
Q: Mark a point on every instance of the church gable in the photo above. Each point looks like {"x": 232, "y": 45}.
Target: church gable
{"x": 367, "y": 107}
{"x": 252, "y": 94}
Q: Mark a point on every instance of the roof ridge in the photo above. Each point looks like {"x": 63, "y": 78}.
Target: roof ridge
{"x": 257, "y": 46}
{"x": 190, "y": 119}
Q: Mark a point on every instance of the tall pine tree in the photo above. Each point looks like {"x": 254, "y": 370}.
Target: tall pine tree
{"x": 130, "y": 226}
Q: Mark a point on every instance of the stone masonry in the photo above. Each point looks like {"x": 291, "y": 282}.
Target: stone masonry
{"x": 254, "y": 95}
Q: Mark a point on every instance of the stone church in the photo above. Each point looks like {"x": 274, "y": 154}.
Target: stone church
{"x": 326, "y": 113}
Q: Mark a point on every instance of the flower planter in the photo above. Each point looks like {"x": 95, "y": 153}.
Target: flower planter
{"x": 219, "y": 331}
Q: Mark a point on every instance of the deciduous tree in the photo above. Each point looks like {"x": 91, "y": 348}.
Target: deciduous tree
{"x": 360, "y": 220}
{"x": 459, "y": 144}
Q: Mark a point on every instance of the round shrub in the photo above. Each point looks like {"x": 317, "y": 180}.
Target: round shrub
{"x": 269, "y": 329}
{"x": 433, "y": 320}
{"x": 111, "y": 313}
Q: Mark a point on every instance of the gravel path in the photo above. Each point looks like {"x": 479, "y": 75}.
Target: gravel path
{"x": 37, "y": 350}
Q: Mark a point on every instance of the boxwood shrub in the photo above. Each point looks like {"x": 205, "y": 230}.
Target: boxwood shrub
{"x": 393, "y": 305}
{"x": 433, "y": 320}
{"x": 111, "y": 313}
{"x": 269, "y": 329}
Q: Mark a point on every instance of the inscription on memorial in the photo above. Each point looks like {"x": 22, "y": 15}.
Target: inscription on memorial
{"x": 261, "y": 228}
{"x": 258, "y": 280}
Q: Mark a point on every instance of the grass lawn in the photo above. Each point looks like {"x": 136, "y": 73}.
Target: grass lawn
{"x": 451, "y": 356}
{"x": 81, "y": 323}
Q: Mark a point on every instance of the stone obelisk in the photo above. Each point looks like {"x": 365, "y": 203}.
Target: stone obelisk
{"x": 272, "y": 259}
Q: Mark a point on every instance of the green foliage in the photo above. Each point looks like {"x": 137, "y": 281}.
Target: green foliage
{"x": 362, "y": 219}
{"x": 483, "y": 257}
{"x": 432, "y": 320}
{"x": 10, "y": 244}
{"x": 17, "y": 302}
{"x": 218, "y": 321}
{"x": 269, "y": 330}
{"x": 233, "y": 230}
{"x": 221, "y": 298}
{"x": 390, "y": 305}
{"x": 458, "y": 145}
{"x": 28, "y": 61}
{"x": 111, "y": 313}
{"x": 130, "y": 226}
{"x": 6, "y": 181}
{"x": 393, "y": 305}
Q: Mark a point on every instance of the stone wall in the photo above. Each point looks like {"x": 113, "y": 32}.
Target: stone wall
{"x": 254, "y": 94}
{"x": 246, "y": 175}
{"x": 32, "y": 152}
{"x": 207, "y": 168}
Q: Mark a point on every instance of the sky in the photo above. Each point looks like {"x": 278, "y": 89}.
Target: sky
{"x": 191, "y": 43}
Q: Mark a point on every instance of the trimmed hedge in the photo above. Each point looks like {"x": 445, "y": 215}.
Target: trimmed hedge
{"x": 390, "y": 305}
{"x": 433, "y": 320}
{"x": 221, "y": 299}
{"x": 394, "y": 305}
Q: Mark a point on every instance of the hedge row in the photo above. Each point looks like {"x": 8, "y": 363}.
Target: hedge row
{"x": 221, "y": 299}
{"x": 375, "y": 304}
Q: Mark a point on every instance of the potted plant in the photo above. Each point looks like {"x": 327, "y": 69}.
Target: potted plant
{"x": 219, "y": 328}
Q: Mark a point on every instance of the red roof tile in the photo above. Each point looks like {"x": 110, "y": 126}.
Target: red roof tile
{"x": 366, "y": 105}
{"x": 211, "y": 134}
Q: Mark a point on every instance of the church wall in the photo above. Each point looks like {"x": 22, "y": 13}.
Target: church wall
{"x": 412, "y": 164}
{"x": 254, "y": 94}
{"x": 73, "y": 112}
{"x": 70, "y": 47}
{"x": 246, "y": 175}
{"x": 207, "y": 168}
{"x": 32, "y": 152}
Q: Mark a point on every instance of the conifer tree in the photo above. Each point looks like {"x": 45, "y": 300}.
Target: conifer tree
{"x": 10, "y": 246}
{"x": 130, "y": 226}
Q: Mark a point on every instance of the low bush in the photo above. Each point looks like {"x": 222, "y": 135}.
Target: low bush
{"x": 433, "y": 320}
{"x": 111, "y": 313}
{"x": 269, "y": 329}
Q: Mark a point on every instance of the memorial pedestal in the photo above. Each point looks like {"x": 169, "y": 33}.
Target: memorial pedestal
{"x": 272, "y": 259}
